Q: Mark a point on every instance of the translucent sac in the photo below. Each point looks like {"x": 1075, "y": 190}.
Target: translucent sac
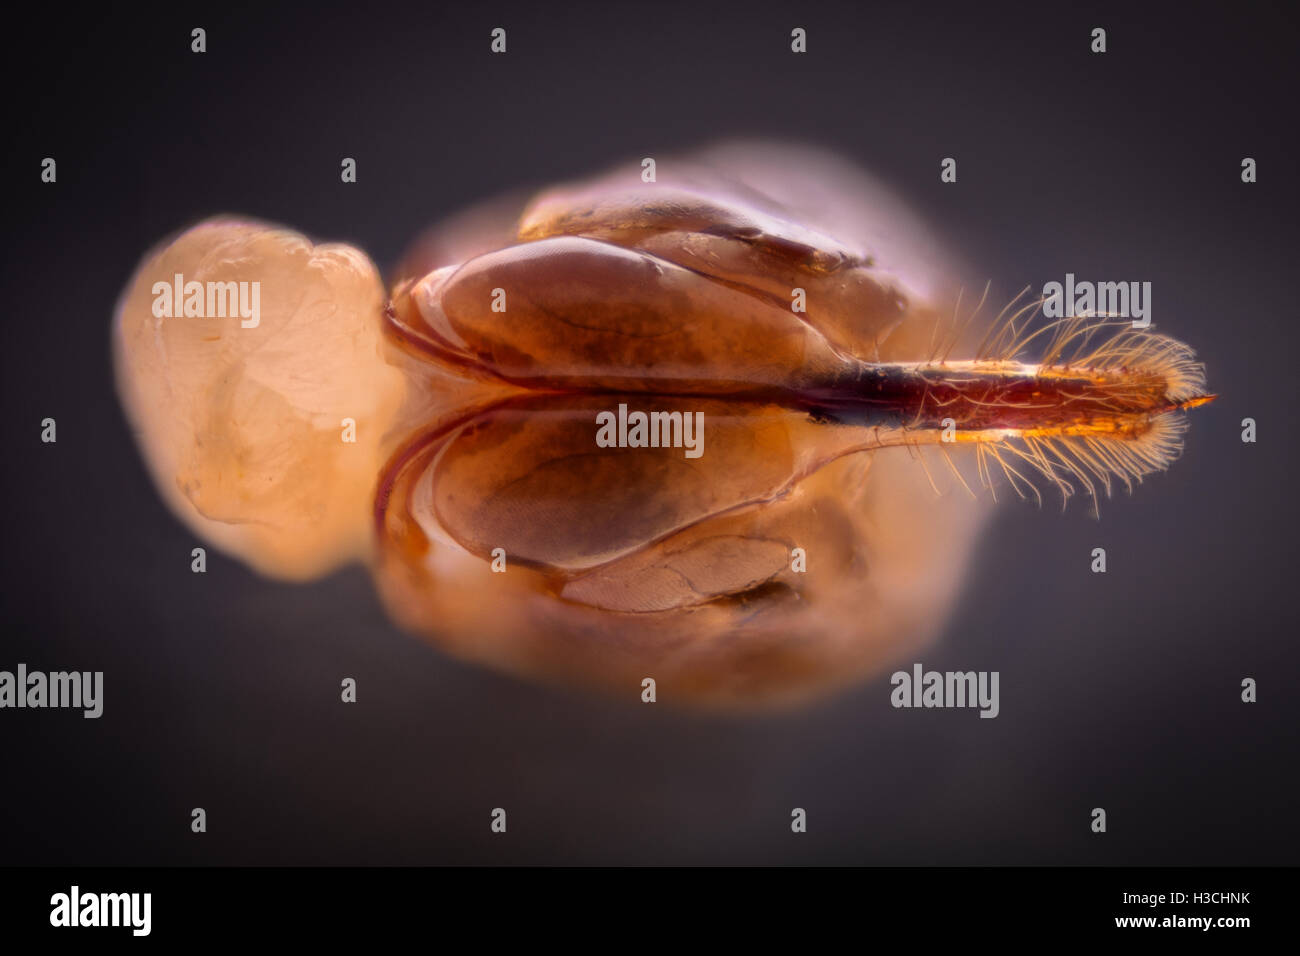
{"x": 242, "y": 417}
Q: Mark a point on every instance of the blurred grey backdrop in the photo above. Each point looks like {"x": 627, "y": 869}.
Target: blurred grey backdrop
{"x": 1118, "y": 690}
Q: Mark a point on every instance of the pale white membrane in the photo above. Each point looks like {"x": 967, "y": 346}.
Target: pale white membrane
{"x": 242, "y": 425}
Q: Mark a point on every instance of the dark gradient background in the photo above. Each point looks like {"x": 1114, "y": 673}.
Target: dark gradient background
{"x": 222, "y": 690}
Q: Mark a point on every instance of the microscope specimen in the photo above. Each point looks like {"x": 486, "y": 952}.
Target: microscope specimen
{"x": 733, "y": 428}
